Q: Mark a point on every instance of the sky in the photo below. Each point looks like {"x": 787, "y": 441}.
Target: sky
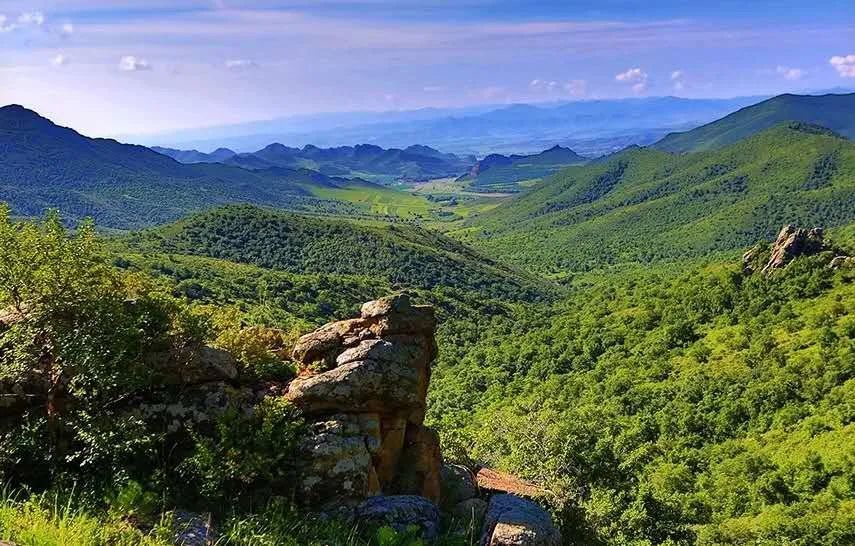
{"x": 112, "y": 67}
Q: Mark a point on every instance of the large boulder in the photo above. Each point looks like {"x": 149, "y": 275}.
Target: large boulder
{"x": 515, "y": 521}
{"x": 372, "y": 369}
{"x": 400, "y": 512}
{"x": 458, "y": 484}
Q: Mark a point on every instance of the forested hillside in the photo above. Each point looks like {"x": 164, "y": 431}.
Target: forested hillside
{"x": 662, "y": 405}
{"x": 399, "y": 254}
{"x": 644, "y": 205}
{"x": 836, "y": 112}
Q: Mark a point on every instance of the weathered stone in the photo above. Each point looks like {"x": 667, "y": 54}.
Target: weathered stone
{"x": 362, "y": 386}
{"x": 400, "y": 512}
{"x": 326, "y": 342}
{"x": 458, "y": 484}
{"x": 193, "y": 365}
{"x": 190, "y": 529}
{"x": 399, "y": 303}
{"x": 337, "y": 464}
{"x": 386, "y": 460}
{"x": 514, "y": 521}
{"x": 791, "y": 243}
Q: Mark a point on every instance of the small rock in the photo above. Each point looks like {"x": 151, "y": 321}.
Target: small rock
{"x": 401, "y": 512}
{"x": 514, "y": 521}
{"x": 842, "y": 262}
{"x": 192, "y": 529}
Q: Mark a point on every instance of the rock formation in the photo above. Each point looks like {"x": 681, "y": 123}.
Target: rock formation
{"x": 791, "y": 243}
{"x": 363, "y": 387}
{"x": 515, "y": 521}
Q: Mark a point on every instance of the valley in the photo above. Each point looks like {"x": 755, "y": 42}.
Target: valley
{"x": 631, "y": 336}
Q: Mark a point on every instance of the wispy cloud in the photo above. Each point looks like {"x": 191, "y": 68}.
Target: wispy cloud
{"x": 67, "y": 29}
{"x": 790, "y": 73}
{"x": 240, "y": 64}
{"x": 845, "y": 65}
{"x": 130, "y": 63}
{"x": 36, "y": 18}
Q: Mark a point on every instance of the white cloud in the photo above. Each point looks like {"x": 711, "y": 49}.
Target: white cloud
{"x": 845, "y": 66}
{"x": 790, "y": 73}
{"x": 676, "y": 75}
{"x": 574, "y": 88}
{"x": 637, "y": 77}
{"x": 240, "y": 64}
{"x": 36, "y": 18}
{"x": 433, "y": 88}
{"x": 67, "y": 29}
{"x": 130, "y": 63}
{"x": 5, "y": 25}
{"x": 632, "y": 75}
{"x": 60, "y": 60}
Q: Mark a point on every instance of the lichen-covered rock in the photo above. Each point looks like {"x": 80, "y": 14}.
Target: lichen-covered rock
{"x": 362, "y": 386}
{"x": 515, "y": 521}
{"x": 337, "y": 464}
{"x": 377, "y": 365}
{"x": 400, "y": 512}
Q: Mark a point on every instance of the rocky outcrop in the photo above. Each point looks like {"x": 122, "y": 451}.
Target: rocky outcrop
{"x": 515, "y": 521}
{"x": 791, "y": 243}
{"x": 363, "y": 387}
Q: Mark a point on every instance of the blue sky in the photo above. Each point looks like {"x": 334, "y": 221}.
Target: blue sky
{"x": 111, "y": 67}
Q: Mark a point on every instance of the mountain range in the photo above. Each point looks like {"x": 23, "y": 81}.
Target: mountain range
{"x": 363, "y": 160}
{"x": 591, "y": 127}
{"x": 123, "y": 185}
{"x": 498, "y": 172}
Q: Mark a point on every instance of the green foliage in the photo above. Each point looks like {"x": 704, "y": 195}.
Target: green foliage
{"x": 247, "y": 455}
{"x": 662, "y": 406}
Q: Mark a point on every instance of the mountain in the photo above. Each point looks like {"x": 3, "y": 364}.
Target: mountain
{"x": 591, "y": 127}
{"x": 399, "y": 254}
{"x": 195, "y": 156}
{"x": 497, "y": 172}
{"x": 836, "y": 112}
{"x": 123, "y": 186}
{"x": 646, "y": 205}
{"x": 364, "y": 160}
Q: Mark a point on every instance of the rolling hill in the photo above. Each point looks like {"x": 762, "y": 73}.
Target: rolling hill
{"x": 836, "y": 112}
{"x": 498, "y": 172}
{"x": 402, "y": 255}
{"x": 645, "y": 205}
{"x": 363, "y": 160}
{"x": 125, "y": 186}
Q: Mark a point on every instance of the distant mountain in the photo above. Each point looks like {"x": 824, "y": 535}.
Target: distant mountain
{"x": 587, "y": 126}
{"x": 645, "y": 205}
{"x": 364, "y": 160}
{"x": 120, "y": 185}
{"x": 837, "y": 112}
{"x": 498, "y": 172}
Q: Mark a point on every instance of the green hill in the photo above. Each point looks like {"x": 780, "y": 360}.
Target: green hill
{"x": 645, "y": 205}
{"x": 125, "y": 186}
{"x": 837, "y": 112}
{"x": 402, "y": 255}
{"x": 499, "y": 173}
